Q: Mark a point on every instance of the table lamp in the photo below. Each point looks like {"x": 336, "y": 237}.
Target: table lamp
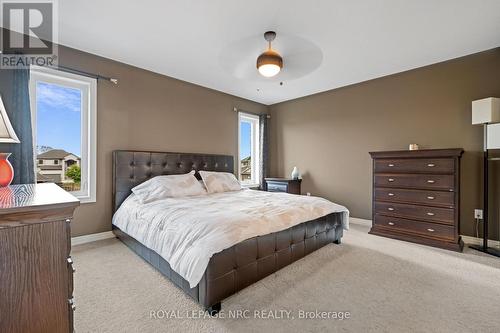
{"x": 7, "y": 135}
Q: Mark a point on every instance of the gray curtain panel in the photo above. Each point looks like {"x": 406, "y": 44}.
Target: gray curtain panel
{"x": 264, "y": 150}
{"x": 14, "y": 89}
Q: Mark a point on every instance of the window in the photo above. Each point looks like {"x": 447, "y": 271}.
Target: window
{"x": 248, "y": 144}
{"x": 40, "y": 161}
{"x": 64, "y": 119}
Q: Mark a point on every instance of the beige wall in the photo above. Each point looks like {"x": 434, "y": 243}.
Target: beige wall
{"x": 328, "y": 135}
{"x": 151, "y": 112}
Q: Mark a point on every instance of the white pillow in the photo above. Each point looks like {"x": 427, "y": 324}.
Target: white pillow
{"x": 217, "y": 182}
{"x": 171, "y": 186}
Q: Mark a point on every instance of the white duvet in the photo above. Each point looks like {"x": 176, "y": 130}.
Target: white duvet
{"x": 187, "y": 231}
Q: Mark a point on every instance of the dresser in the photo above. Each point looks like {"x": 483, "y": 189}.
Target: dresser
{"x": 36, "y": 269}
{"x": 416, "y": 196}
{"x": 283, "y": 185}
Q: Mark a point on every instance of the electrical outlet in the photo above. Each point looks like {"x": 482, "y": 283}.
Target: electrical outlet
{"x": 478, "y": 214}
{"x": 308, "y": 194}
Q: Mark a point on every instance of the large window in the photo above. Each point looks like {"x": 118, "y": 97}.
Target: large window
{"x": 248, "y": 143}
{"x": 64, "y": 118}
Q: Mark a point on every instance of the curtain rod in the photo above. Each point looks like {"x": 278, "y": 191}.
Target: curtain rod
{"x": 235, "y": 109}
{"x": 79, "y": 72}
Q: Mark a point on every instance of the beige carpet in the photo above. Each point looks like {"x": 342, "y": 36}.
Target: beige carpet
{"x": 386, "y": 285}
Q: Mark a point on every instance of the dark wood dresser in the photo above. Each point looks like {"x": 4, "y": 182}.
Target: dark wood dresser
{"x": 416, "y": 196}
{"x": 283, "y": 185}
{"x": 36, "y": 272}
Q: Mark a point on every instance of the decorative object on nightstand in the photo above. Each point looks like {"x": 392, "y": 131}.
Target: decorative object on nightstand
{"x": 7, "y": 135}
{"x": 295, "y": 173}
{"x": 416, "y": 196}
{"x": 36, "y": 275}
{"x": 287, "y": 185}
{"x": 486, "y": 112}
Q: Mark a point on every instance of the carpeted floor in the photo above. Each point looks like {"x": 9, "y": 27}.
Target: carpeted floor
{"x": 385, "y": 285}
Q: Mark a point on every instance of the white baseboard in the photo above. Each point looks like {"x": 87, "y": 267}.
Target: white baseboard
{"x": 479, "y": 241}
{"x": 364, "y": 222}
{"x": 92, "y": 237}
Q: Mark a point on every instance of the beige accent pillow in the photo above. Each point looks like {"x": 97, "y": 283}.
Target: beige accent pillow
{"x": 171, "y": 186}
{"x": 217, "y": 182}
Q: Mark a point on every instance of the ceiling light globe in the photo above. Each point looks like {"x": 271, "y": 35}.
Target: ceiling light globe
{"x": 269, "y": 63}
{"x": 269, "y": 70}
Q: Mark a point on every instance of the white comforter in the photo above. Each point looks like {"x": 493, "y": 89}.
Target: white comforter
{"x": 187, "y": 231}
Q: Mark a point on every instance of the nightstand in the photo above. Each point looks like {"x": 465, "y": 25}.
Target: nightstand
{"x": 283, "y": 185}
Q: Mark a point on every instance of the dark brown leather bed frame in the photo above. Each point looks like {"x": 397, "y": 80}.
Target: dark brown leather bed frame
{"x": 236, "y": 267}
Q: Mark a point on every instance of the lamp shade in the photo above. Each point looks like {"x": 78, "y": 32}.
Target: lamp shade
{"x": 7, "y": 134}
{"x": 493, "y": 136}
{"x": 486, "y": 111}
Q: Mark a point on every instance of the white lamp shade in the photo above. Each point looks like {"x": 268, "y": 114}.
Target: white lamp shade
{"x": 493, "y": 136}
{"x": 486, "y": 111}
{"x": 7, "y": 134}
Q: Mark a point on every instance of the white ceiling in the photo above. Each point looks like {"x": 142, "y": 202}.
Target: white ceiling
{"x": 349, "y": 41}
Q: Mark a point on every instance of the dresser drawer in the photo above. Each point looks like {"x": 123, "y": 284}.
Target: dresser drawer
{"x": 415, "y": 227}
{"x": 442, "y": 215}
{"x": 434, "y": 182}
{"x": 438, "y": 198}
{"x": 415, "y": 165}
{"x": 277, "y": 187}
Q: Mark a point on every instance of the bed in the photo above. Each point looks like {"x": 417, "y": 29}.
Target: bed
{"x": 229, "y": 268}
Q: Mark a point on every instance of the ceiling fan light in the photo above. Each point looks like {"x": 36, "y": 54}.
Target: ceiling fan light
{"x": 269, "y": 63}
{"x": 269, "y": 70}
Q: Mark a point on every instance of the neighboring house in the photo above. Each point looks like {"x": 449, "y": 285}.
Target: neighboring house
{"x": 246, "y": 169}
{"x": 52, "y": 165}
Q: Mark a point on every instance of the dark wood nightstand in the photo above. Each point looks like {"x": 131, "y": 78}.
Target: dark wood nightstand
{"x": 283, "y": 185}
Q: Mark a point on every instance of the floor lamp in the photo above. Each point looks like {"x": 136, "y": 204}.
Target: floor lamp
{"x": 487, "y": 112}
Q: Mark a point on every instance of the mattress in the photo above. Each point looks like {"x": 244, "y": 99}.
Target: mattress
{"x": 188, "y": 231}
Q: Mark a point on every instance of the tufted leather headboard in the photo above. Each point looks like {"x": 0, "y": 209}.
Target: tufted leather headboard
{"x": 130, "y": 168}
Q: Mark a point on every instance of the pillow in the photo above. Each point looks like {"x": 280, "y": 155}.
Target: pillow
{"x": 171, "y": 186}
{"x": 217, "y": 182}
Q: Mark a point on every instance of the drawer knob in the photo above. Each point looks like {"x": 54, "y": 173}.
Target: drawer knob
{"x": 430, "y": 181}
{"x": 430, "y": 198}
{"x": 68, "y": 220}
{"x": 390, "y": 164}
{"x": 390, "y": 209}
{"x": 430, "y": 230}
{"x": 391, "y": 179}
{"x": 390, "y": 194}
{"x": 430, "y": 214}
{"x": 390, "y": 223}
{"x": 431, "y": 165}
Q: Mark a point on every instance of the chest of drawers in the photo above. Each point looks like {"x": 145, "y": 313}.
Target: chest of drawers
{"x": 416, "y": 196}
{"x": 36, "y": 269}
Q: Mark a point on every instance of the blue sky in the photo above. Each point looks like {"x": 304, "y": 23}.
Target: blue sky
{"x": 245, "y": 139}
{"x": 58, "y": 121}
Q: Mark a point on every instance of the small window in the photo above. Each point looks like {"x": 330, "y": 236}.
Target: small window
{"x": 248, "y": 138}
{"x": 40, "y": 161}
{"x": 64, "y": 116}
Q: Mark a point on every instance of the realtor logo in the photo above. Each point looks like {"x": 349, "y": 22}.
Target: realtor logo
{"x": 29, "y": 34}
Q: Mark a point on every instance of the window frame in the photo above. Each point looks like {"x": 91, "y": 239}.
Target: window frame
{"x": 88, "y": 88}
{"x": 254, "y": 149}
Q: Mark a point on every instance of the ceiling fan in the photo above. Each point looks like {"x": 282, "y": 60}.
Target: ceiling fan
{"x": 270, "y": 62}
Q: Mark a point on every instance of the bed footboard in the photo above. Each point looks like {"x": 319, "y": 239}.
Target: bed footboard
{"x": 247, "y": 262}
